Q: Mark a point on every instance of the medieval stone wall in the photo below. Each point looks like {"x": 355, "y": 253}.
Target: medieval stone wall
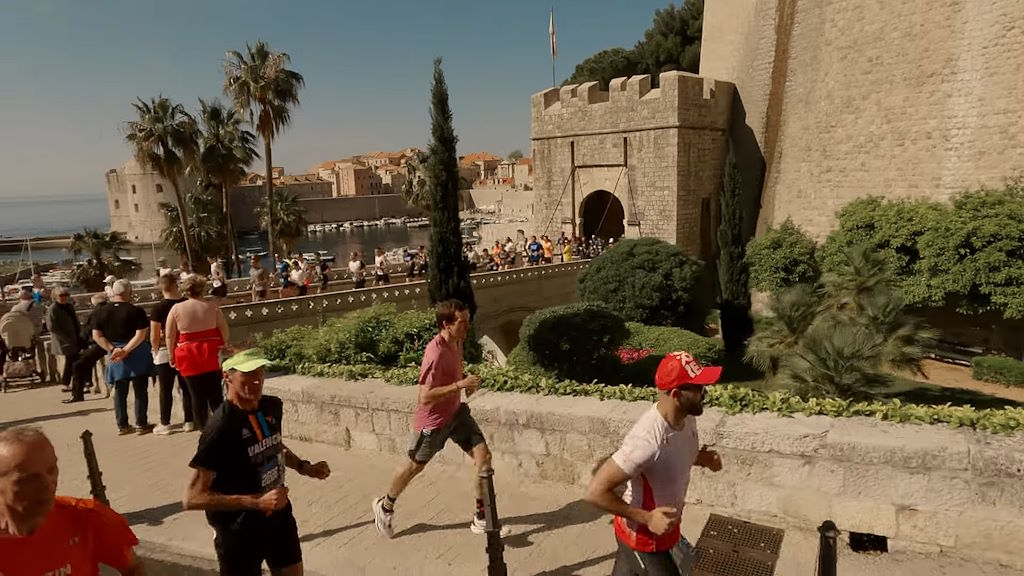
{"x": 672, "y": 138}
{"x": 849, "y": 98}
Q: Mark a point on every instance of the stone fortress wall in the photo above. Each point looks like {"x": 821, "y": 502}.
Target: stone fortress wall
{"x": 133, "y": 202}
{"x": 675, "y": 142}
{"x": 849, "y": 98}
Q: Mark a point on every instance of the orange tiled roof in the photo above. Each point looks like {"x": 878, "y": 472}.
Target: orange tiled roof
{"x": 469, "y": 159}
{"x": 525, "y": 161}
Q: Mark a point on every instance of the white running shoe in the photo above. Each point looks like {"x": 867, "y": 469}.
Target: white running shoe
{"x": 382, "y": 518}
{"x": 479, "y": 526}
{"x": 188, "y": 427}
{"x": 162, "y": 430}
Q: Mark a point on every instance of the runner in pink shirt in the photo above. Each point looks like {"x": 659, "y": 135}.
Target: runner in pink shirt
{"x": 441, "y": 415}
{"x": 654, "y": 462}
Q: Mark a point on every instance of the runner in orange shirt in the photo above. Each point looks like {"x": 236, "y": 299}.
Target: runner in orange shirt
{"x": 42, "y": 533}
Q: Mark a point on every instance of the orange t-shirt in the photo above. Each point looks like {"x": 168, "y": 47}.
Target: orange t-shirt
{"x": 548, "y": 252}
{"x": 78, "y": 536}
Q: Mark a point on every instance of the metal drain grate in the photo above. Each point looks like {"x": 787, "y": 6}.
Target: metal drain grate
{"x": 729, "y": 547}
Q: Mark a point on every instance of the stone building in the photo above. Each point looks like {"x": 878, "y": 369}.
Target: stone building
{"x": 839, "y": 99}
{"x": 632, "y": 161}
{"x": 133, "y": 202}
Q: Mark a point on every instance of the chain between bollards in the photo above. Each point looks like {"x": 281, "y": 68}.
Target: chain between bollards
{"x": 495, "y": 548}
{"x": 827, "y": 557}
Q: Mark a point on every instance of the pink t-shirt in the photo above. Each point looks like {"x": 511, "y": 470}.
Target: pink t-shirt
{"x": 658, "y": 459}
{"x": 442, "y": 366}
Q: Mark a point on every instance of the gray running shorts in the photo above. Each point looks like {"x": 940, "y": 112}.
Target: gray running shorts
{"x": 462, "y": 430}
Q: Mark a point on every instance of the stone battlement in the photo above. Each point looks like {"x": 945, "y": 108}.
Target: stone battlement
{"x": 682, "y": 100}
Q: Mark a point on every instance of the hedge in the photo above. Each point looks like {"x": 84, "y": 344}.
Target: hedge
{"x": 379, "y": 335}
{"x": 661, "y": 340}
{"x": 781, "y": 257}
{"x": 729, "y": 398}
{"x": 576, "y": 341}
{"x": 998, "y": 369}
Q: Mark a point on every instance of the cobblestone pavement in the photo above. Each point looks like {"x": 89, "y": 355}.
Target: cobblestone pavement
{"x": 553, "y": 533}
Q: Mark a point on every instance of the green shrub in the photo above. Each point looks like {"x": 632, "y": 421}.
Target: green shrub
{"x": 661, "y": 340}
{"x": 378, "y": 334}
{"x": 731, "y": 399}
{"x": 576, "y": 341}
{"x": 781, "y": 257}
{"x": 998, "y": 369}
{"x": 646, "y": 280}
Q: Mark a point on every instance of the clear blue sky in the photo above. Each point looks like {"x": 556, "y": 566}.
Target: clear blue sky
{"x": 70, "y": 70}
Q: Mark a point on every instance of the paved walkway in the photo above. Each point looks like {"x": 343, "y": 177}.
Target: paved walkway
{"x": 552, "y": 532}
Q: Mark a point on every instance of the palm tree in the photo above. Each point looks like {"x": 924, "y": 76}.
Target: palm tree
{"x": 793, "y": 311}
{"x": 207, "y": 233}
{"x": 98, "y": 245}
{"x": 259, "y": 84}
{"x": 226, "y": 150}
{"x": 289, "y": 222}
{"x": 164, "y": 139}
{"x": 415, "y": 188}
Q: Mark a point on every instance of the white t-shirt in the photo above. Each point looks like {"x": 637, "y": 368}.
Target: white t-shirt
{"x": 381, "y": 262}
{"x": 217, "y": 273}
{"x": 655, "y": 454}
{"x": 356, "y": 268}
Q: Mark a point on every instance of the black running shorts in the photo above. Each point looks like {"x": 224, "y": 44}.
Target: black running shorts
{"x": 462, "y": 430}
{"x": 675, "y": 562}
{"x": 243, "y": 546}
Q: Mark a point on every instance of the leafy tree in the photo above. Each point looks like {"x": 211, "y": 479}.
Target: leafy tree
{"x": 207, "y": 234}
{"x": 415, "y": 190}
{"x": 226, "y": 150}
{"x": 781, "y": 257}
{"x": 974, "y": 257}
{"x": 607, "y": 65}
{"x": 733, "y": 276}
{"x": 646, "y": 280}
{"x": 103, "y": 249}
{"x": 289, "y": 222}
{"x": 447, "y": 270}
{"x": 892, "y": 229}
{"x": 164, "y": 139}
{"x": 260, "y": 85}
{"x": 673, "y": 40}
{"x": 516, "y": 154}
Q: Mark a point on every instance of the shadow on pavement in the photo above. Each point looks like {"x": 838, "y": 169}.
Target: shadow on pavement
{"x": 48, "y": 417}
{"x": 154, "y": 516}
{"x": 571, "y": 514}
{"x": 573, "y": 569}
{"x": 333, "y": 531}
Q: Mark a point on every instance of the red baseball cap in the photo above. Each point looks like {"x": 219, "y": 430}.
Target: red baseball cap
{"x": 679, "y": 368}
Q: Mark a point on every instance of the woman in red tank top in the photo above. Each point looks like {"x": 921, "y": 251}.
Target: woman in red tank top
{"x": 196, "y": 332}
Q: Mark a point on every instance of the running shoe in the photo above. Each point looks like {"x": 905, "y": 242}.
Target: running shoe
{"x": 143, "y": 430}
{"x": 479, "y": 526}
{"x": 125, "y": 430}
{"x": 382, "y": 518}
{"x": 188, "y": 427}
{"x": 162, "y": 430}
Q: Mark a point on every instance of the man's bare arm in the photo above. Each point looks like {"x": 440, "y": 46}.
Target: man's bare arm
{"x": 601, "y": 493}
{"x": 198, "y": 495}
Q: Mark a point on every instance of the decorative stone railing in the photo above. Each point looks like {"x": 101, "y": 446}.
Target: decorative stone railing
{"x": 503, "y": 299}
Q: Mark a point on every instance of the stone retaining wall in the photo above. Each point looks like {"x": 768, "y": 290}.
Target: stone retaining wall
{"x": 927, "y": 488}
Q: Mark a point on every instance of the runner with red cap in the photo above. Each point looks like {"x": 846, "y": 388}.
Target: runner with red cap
{"x": 654, "y": 463}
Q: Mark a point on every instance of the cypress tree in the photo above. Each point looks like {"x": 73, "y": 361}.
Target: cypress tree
{"x": 734, "y": 299}
{"x": 447, "y": 270}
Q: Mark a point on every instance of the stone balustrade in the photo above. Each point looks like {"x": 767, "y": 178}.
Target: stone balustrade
{"x": 926, "y": 488}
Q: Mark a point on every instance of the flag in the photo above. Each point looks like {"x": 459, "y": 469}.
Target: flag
{"x": 551, "y": 33}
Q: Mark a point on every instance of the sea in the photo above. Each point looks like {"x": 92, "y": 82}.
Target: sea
{"x": 59, "y": 215}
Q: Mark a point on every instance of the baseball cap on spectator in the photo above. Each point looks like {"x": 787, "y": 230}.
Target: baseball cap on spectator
{"x": 681, "y": 368}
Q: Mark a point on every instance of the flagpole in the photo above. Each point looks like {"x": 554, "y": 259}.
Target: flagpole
{"x": 554, "y": 50}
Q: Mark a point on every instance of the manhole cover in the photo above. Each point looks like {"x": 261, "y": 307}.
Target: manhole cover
{"x": 729, "y": 547}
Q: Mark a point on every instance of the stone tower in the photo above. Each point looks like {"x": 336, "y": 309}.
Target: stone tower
{"x": 633, "y": 161}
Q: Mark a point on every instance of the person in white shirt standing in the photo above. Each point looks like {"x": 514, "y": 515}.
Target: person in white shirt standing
{"x": 654, "y": 462}
{"x": 217, "y": 278}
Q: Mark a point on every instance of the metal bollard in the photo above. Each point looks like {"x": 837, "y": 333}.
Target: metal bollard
{"x": 96, "y": 487}
{"x": 495, "y": 548}
{"x": 827, "y": 557}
